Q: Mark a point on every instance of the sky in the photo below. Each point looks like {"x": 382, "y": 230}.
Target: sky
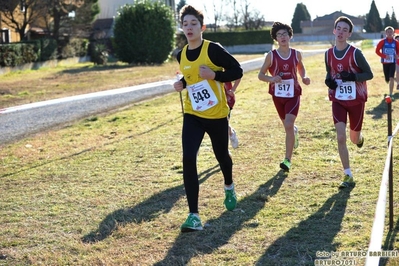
{"x": 317, "y": 8}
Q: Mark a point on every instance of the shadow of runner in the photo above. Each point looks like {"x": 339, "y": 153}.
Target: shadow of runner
{"x": 317, "y": 233}
{"x": 145, "y": 211}
{"x": 380, "y": 110}
{"x": 41, "y": 163}
{"x": 220, "y": 230}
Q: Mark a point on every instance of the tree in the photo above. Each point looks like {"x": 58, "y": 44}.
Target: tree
{"x": 301, "y": 13}
{"x": 217, "y": 13}
{"x": 232, "y": 16}
{"x": 236, "y": 13}
{"x": 387, "y": 20}
{"x": 373, "y": 20}
{"x": 394, "y": 21}
{"x": 180, "y": 5}
{"x": 144, "y": 33}
{"x": 59, "y": 11}
{"x": 246, "y": 14}
{"x": 250, "y": 18}
{"x": 18, "y": 15}
{"x": 256, "y": 20}
{"x": 80, "y": 24}
{"x": 54, "y": 15}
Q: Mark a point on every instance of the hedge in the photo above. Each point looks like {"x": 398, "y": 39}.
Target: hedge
{"x": 15, "y": 54}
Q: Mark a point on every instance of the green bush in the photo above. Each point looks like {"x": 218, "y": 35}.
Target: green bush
{"x": 48, "y": 49}
{"x": 18, "y": 58}
{"x": 144, "y": 33}
{"x": 99, "y": 53}
{"x": 30, "y": 52}
{"x": 7, "y": 53}
{"x": 17, "y": 54}
{"x": 73, "y": 47}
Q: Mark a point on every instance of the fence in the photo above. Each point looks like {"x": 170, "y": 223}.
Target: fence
{"x": 374, "y": 251}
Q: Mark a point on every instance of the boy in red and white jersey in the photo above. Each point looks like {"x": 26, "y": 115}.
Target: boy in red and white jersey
{"x": 347, "y": 73}
{"x": 280, "y": 69}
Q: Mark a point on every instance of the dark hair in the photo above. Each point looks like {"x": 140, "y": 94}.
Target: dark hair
{"x": 190, "y": 10}
{"x": 346, "y": 20}
{"x": 280, "y": 26}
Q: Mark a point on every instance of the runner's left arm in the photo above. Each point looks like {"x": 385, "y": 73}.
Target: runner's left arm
{"x": 221, "y": 57}
{"x": 362, "y": 63}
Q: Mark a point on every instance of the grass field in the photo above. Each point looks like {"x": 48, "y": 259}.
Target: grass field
{"x": 108, "y": 190}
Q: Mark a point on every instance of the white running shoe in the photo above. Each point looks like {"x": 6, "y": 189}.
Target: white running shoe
{"x": 233, "y": 139}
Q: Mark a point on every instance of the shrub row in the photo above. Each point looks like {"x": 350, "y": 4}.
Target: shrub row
{"x": 14, "y": 54}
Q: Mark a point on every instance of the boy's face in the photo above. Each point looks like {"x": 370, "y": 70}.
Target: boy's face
{"x": 192, "y": 28}
{"x": 341, "y": 31}
{"x": 389, "y": 33}
{"x": 282, "y": 37}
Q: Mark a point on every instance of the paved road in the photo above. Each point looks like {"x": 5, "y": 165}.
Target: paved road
{"x": 21, "y": 121}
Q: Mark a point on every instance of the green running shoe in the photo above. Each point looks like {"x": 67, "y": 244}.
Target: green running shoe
{"x": 192, "y": 223}
{"x": 230, "y": 200}
{"x": 285, "y": 165}
{"x": 348, "y": 182}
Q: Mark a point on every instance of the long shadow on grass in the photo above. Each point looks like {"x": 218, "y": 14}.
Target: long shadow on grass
{"x": 389, "y": 243}
{"x": 17, "y": 170}
{"x": 300, "y": 244}
{"x": 218, "y": 231}
{"x": 145, "y": 211}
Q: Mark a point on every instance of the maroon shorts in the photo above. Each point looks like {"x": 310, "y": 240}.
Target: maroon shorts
{"x": 286, "y": 106}
{"x": 356, "y": 112}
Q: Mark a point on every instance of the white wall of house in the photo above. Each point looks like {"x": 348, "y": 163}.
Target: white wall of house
{"x": 109, "y": 8}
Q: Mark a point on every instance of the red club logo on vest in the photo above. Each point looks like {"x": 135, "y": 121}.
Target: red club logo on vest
{"x": 285, "y": 67}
